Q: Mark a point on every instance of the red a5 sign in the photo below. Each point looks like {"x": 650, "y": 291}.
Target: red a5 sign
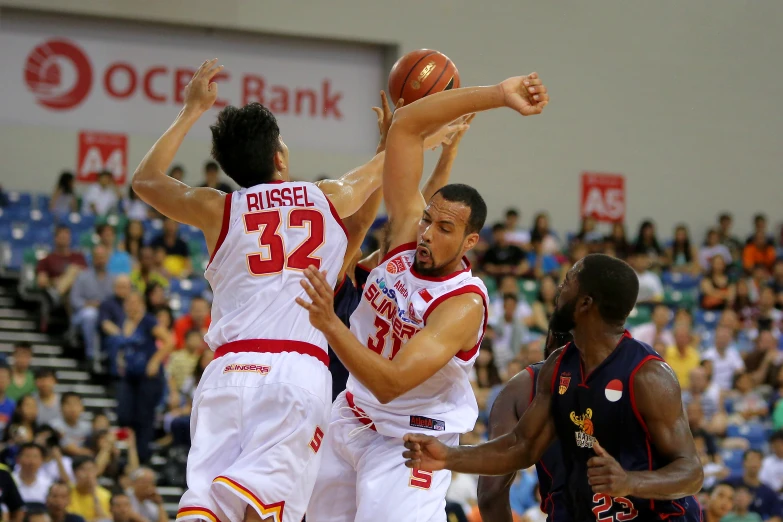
{"x": 603, "y": 196}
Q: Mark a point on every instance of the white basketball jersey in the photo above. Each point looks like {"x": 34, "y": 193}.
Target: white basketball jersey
{"x": 394, "y": 307}
{"x": 270, "y": 234}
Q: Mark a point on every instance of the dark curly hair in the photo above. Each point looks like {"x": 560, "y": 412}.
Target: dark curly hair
{"x": 244, "y": 143}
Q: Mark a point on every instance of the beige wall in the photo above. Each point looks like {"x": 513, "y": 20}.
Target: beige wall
{"x": 681, "y": 97}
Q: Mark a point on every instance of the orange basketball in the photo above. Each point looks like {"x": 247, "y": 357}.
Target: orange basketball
{"x": 420, "y": 73}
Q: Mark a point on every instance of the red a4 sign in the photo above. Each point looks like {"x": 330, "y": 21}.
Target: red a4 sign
{"x": 603, "y": 196}
{"x": 99, "y": 151}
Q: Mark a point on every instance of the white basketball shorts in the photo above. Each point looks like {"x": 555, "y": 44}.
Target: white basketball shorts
{"x": 363, "y": 477}
{"x": 257, "y": 428}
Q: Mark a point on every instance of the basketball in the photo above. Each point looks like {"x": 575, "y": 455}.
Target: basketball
{"x": 420, "y": 73}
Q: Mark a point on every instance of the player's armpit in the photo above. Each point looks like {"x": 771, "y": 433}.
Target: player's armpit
{"x": 357, "y": 226}
{"x": 350, "y": 192}
{"x": 658, "y": 400}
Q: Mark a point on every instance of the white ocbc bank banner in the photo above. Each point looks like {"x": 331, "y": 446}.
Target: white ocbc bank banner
{"x": 127, "y": 78}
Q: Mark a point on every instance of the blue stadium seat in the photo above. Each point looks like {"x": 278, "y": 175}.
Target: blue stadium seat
{"x": 42, "y": 202}
{"x": 17, "y": 256}
{"x": 706, "y": 318}
{"x": 682, "y": 282}
{"x": 753, "y": 432}
{"x": 733, "y": 460}
{"x": 41, "y": 235}
{"x": 188, "y": 288}
{"x": 20, "y": 200}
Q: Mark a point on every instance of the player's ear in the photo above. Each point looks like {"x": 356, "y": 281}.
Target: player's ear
{"x": 585, "y": 302}
{"x": 471, "y": 240}
{"x": 280, "y": 161}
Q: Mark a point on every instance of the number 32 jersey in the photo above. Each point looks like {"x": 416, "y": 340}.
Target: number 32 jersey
{"x": 395, "y": 305}
{"x": 270, "y": 234}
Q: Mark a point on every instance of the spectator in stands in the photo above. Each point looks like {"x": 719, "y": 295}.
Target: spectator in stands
{"x": 726, "y": 238}
{"x": 697, "y": 423}
{"x": 544, "y": 305}
{"x": 699, "y": 390}
{"x": 197, "y": 318}
{"x": 72, "y": 427}
{"x": 146, "y": 273}
{"x": 588, "y": 235}
{"x": 771, "y": 472}
{"x": 155, "y": 298}
{"x": 742, "y": 501}
{"x": 212, "y": 177}
{"x": 144, "y": 496}
{"x": 91, "y": 287}
{"x": 102, "y": 197}
{"x": 32, "y": 482}
{"x": 759, "y": 228}
{"x": 749, "y": 405}
{"x": 509, "y": 286}
{"x": 647, "y": 243}
{"x": 119, "y": 262}
{"x": 112, "y": 311}
{"x": 550, "y": 244}
{"x": 503, "y": 258}
{"x": 10, "y": 499}
{"x": 63, "y": 201}
{"x": 47, "y": 400}
{"x": 134, "y": 208}
{"x": 657, "y": 329}
{"x": 713, "y": 247}
{"x": 122, "y": 509}
{"x": 539, "y": 262}
{"x": 777, "y": 282}
{"x": 617, "y": 241}
{"x": 57, "y": 501}
{"x": 682, "y": 356}
{"x": 133, "y": 240}
{"x": 88, "y": 499}
{"x": 717, "y": 291}
{"x": 761, "y": 362}
{"x": 681, "y": 256}
{"x": 720, "y": 502}
{"x": 766, "y": 316}
{"x": 7, "y": 405}
{"x": 22, "y": 380}
{"x": 141, "y": 387}
{"x": 765, "y": 501}
{"x": 108, "y": 461}
{"x": 650, "y": 285}
{"x": 182, "y": 363}
{"x": 57, "y": 271}
{"x": 177, "y": 172}
{"x": 758, "y": 251}
{"x": 516, "y": 235}
{"x": 576, "y": 252}
{"x": 713, "y": 471}
{"x": 743, "y": 304}
{"x": 56, "y": 466}
{"x": 177, "y": 255}
{"x": 23, "y": 424}
{"x": 726, "y": 360}
{"x": 462, "y": 491}
{"x": 509, "y": 334}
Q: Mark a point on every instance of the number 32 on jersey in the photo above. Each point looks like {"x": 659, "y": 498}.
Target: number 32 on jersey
{"x": 274, "y": 258}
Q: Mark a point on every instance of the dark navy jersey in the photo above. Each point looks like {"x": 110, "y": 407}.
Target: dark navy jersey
{"x": 550, "y": 470}
{"x": 346, "y": 299}
{"x": 600, "y": 406}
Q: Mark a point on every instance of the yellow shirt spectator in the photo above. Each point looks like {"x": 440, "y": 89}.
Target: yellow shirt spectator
{"x": 683, "y": 361}
{"x": 83, "y": 504}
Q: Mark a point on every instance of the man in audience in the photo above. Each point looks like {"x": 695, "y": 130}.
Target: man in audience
{"x": 122, "y": 509}
{"x": 503, "y": 258}
{"x": 719, "y": 504}
{"x": 509, "y": 334}
{"x": 765, "y": 501}
{"x": 539, "y": 261}
{"x": 725, "y": 222}
{"x": 650, "y": 286}
{"x": 144, "y": 497}
{"x": 22, "y": 381}
{"x": 702, "y": 392}
{"x": 758, "y": 251}
{"x": 742, "y": 501}
{"x": 88, "y": 499}
{"x": 91, "y": 287}
{"x": 33, "y": 485}
{"x": 56, "y": 272}
{"x": 7, "y": 405}
{"x": 102, "y": 197}
{"x": 177, "y": 255}
{"x": 725, "y": 359}
{"x": 57, "y": 502}
{"x": 515, "y": 234}
{"x": 655, "y": 331}
{"x": 198, "y": 318}
{"x": 771, "y": 472}
{"x": 48, "y": 401}
{"x": 73, "y": 429}
{"x": 10, "y": 499}
{"x": 112, "y": 312}
{"x": 212, "y": 177}
{"x": 767, "y": 316}
{"x": 682, "y": 356}
{"x": 762, "y": 361}
{"x": 177, "y": 172}
{"x": 120, "y": 262}
{"x": 147, "y": 273}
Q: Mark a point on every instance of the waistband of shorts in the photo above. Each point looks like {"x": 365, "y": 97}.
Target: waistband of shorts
{"x": 358, "y": 412}
{"x": 273, "y": 346}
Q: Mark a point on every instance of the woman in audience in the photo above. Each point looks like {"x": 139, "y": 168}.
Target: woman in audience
{"x": 717, "y": 291}
{"x": 743, "y": 306}
{"x": 647, "y": 242}
{"x": 21, "y": 429}
{"x": 618, "y": 241}
{"x": 713, "y": 247}
{"x": 544, "y": 306}
{"x": 135, "y": 208}
{"x": 588, "y": 235}
{"x": 155, "y": 298}
{"x": 134, "y": 238}
{"x": 550, "y": 244}
{"x": 63, "y": 201}
{"x": 681, "y": 255}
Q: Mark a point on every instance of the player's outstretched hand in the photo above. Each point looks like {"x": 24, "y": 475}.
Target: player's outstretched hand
{"x": 202, "y": 92}
{"x": 606, "y": 475}
{"x": 424, "y": 452}
{"x": 446, "y": 134}
{"x": 525, "y": 94}
{"x": 385, "y": 115}
{"x": 452, "y": 140}
{"x": 321, "y": 305}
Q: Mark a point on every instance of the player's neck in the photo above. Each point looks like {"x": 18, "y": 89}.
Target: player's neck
{"x": 596, "y": 343}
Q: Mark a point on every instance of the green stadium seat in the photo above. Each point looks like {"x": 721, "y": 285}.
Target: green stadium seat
{"x": 639, "y": 315}
{"x": 528, "y": 289}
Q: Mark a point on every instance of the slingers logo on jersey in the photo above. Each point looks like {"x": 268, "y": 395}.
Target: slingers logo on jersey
{"x": 389, "y": 318}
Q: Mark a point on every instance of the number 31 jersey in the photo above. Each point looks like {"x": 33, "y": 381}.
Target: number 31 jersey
{"x": 270, "y": 234}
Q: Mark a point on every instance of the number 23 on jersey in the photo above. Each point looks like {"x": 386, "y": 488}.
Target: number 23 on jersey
{"x": 273, "y": 257}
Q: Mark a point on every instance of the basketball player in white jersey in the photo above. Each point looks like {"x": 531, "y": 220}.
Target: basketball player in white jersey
{"x": 422, "y": 316}
{"x": 261, "y": 409}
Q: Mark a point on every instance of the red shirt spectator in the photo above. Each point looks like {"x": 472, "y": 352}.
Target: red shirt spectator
{"x": 198, "y": 318}
{"x": 55, "y": 264}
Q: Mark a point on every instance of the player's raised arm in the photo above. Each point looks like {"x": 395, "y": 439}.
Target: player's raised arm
{"x": 442, "y": 172}
{"x": 405, "y": 143}
{"x": 200, "y": 207}
{"x": 659, "y": 401}
{"x": 509, "y": 406}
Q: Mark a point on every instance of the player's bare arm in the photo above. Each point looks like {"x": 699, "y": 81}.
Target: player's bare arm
{"x": 519, "y": 449}
{"x": 508, "y": 408}
{"x": 405, "y": 143}
{"x": 442, "y": 172}
{"x": 200, "y": 207}
{"x": 659, "y": 401}
{"x": 451, "y": 328}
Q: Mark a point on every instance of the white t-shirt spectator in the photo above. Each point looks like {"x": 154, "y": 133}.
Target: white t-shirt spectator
{"x": 49, "y": 470}
{"x": 104, "y": 199}
{"x": 707, "y": 253}
{"x": 35, "y": 492}
{"x": 771, "y": 472}
{"x": 72, "y": 434}
{"x": 646, "y": 333}
{"x": 147, "y": 508}
{"x": 724, "y": 368}
{"x": 519, "y": 237}
{"x": 462, "y": 491}
{"x": 650, "y": 287}
{"x": 522, "y": 312}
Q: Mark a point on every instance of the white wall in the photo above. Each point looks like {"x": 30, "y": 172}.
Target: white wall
{"x": 681, "y": 97}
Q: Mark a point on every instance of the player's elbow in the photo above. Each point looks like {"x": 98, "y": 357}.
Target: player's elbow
{"x": 386, "y": 396}
{"x": 696, "y": 476}
{"x": 404, "y": 122}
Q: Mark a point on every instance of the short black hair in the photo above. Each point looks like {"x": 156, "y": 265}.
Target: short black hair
{"x": 512, "y": 297}
{"x": 60, "y": 228}
{"x": 778, "y": 435}
{"x": 210, "y": 166}
{"x": 40, "y": 373}
{"x": 759, "y": 217}
{"x": 498, "y": 227}
{"x": 69, "y": 395}
{"x": 116, "y": 495}
{"x": 244, "y": 143}
{"x": 512, "y": 212}
{"x": 612, "y": 284}
{"x": 78, "y": 462}
{"x": 99, "y": 229}
{"x": 470, "y": 197}
{"x": 28, "y": 445}
{"x": 35, "y": 510}
{"x": 105, "y": 173}
{"x": 23, "y": 345}
{"x": 750, "y": 452}
{"x": 724, "y": 216}
{"x": 176, "y": 168}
